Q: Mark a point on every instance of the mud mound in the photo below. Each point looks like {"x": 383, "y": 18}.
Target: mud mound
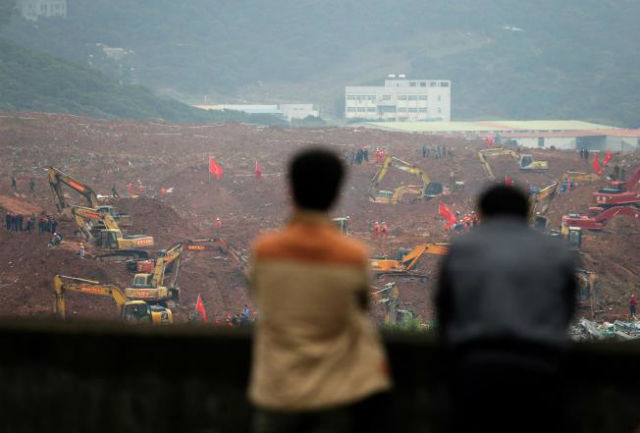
{"x": 105, "y": 154}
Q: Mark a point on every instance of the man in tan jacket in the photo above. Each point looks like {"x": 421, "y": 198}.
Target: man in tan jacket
{"x": 318, "y": 363}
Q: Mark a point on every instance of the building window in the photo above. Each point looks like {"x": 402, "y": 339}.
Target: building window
{"x": 444, "y": 84}
{"x": 361, "y": 109}
{"x": 439, "y": 110}
{"x": 413, "y": 110}
{"x": 402, "y": 97}
{"x": 413, "y": 98}
{"x": 432, "y": 84}
{"x": 423, "y": 84}
{"x": 439, "y": 98}
{"x": 423, "y": 110}
{"x": 371, "y": 110}
{"x": 402, "y": 110}
{"x": 351, "y": 109}
{"x": 350, "y": 97}
{"x": 386, "y": 97}
{"x": 412, "y": 84}
{"x": 422, "y": 97}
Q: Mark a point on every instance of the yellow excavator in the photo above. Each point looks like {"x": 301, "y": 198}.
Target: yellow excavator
{"x": 131, "y": 311}
{"x": 525, "y": 161}
{"x": 539, "y": 205}
{"x": 152, "y": 287}
{"x": 102, "y": 229}
{"x": 426, "y": 190}
{"x": 57, "y": 179}
{"x": 407, "y": 261}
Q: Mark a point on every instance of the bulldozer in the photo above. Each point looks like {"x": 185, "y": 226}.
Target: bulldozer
{"x": 103, "y": 230}
{"x": 131, "y": 311}
{"x": 57, "y": 179}
{"x": 425, "y": 191}
{"x": 525, "y": 161}
{"x": 151, "y": 286}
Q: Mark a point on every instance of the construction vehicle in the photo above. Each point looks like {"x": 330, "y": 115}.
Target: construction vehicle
{"x": 131, "y": 311}
{"x": 57, "y": 179}
{"x": 525, "y": 161}
{"x": 620, "y": 193}
{"x": 424, "y": 191}
{"x": 598, "y": 221}
{"x": 406, "y": 261}
{"x": 151, "y": 286}
{"x": 103, "y": 230}
{"x": 539, "y": 205}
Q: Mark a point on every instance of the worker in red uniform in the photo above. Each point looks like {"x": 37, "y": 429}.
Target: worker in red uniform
{"x": 218, "y": 224}
{"x": 163, "y": 192}
{"x": 131, "y": 189}
{"x": 384, "y": 229}
{"x": 139, "y": 187}
{"x": 376, "y": 229}
{"x": 633, "y": 306}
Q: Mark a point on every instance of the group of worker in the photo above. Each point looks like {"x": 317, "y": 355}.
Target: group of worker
{"x": 584, "y": 154}
{"x": 436, "y": 152}
{"x": 466, "y": 222}
{"x": 380, "y": 154}
{"x": 131, "y": 188}
{"x": 19, "y": 223}
{"x": 14, "y": 184}
{"x": 359, "y": 156}
{"x": 380, "y": 229}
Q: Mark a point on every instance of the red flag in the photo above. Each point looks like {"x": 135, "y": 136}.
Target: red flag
{"x": 607, "y": 157}
{"x": 258, "y": 170}
{"x": 200, "y": 309}
{"x": 214, "y": 168}
{"x": 596, "y": 165}
{"x": 446, "y": 213}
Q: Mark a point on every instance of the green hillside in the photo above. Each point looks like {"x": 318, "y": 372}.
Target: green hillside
{"x": 31, "y": 81}
{"x": 526, "y": 59}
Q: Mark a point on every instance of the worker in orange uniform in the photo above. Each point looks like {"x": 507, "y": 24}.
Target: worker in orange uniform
{"x": 218, "y": 224}
{"x": 131, "y": 189}
{"x": 384, "y": 229}
{"x": 376, "y": 229}
{"x": 139, "y": 187}
{"x": 163, "y": 192}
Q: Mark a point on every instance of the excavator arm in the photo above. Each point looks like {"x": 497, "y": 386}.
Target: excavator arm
{"x": 57, "y": 179}
{"x": 397, "y": 163}
{"x": 62, "y": 284}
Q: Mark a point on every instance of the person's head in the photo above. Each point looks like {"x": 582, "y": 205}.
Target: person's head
{"x": 315, "y": 176}
{"x": 504, "y": 200}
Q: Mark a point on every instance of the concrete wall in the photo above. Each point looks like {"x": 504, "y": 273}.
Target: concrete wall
{"x": 72, "y": 377}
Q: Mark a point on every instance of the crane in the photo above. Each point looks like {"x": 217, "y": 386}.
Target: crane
{"x": 134, "y": 311}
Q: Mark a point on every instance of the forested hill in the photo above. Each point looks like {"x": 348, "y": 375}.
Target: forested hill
{"x": 524, "y": 59}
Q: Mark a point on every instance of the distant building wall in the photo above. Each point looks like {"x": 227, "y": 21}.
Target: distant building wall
{"x": 298, "y": 111}
{"x": 33, "y": 9}
{"x": 400, "y": 99}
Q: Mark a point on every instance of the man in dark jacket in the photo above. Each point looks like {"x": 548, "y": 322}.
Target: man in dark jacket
{"x": 505, "y": 298}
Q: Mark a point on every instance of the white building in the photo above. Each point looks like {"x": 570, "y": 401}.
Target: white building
{"x": 298, "y": 111}
{"x": 400, "y": 99}
{"x": 33, "y": 9}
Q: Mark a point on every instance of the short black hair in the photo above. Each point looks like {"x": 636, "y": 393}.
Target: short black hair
{"x": 504, "y": 200}
{"x": 315, "y": 175}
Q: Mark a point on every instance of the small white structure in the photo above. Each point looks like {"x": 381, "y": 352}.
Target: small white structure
{"x": 33, "y": 9}
{"x": 298, "y": 111}
{"x": 400, "y": 99}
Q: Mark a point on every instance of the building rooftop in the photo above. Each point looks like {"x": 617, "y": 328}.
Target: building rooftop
{"x": 493, "y": 126}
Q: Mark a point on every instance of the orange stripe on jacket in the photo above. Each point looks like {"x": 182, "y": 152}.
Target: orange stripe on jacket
{"x": 321, "y": 243}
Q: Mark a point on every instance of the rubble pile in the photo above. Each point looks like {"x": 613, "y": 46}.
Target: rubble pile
{"x": 174, "y": 158}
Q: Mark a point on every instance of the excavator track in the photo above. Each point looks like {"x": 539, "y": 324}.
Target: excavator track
{"x": 123, "y": 256}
